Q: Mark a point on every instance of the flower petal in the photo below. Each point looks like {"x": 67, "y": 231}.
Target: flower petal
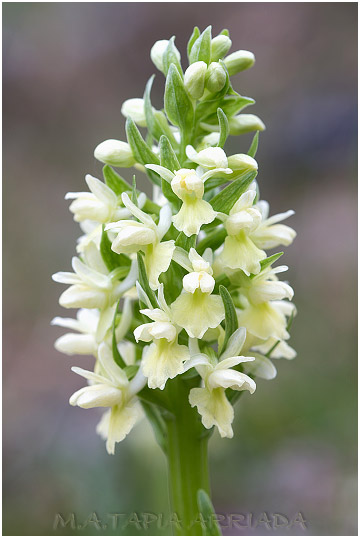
{"x": 214, "y": 408}
{"x": 162, "y": 361}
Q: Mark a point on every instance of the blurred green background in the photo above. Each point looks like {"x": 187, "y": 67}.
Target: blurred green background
{"x": 67, "y": 68}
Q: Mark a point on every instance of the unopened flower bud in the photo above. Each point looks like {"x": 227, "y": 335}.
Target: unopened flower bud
{"x": 194, "y": 79}
{"x": 242, "y": 162}
{"x": 115, "y": 153}
{"x": 219, "y": 47}
{"x": 239, "y": 61}
{"x": 209, "y": 140}
{"x": 215, "y": 77}
{"x": 134, "y": 108}
{"x": 245, "y": 123}
{"x": 157, "y": 53}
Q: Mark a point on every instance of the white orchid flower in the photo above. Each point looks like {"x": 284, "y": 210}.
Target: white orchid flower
{"x": 197, "y": 310}
{"x": 92, "y": 234}
{"x": 110, "y": 388}
{"x": 86, "y": 324}
{"x": 100, "y": 205}
{"x": 261, "y": 296}
{"x": 115, "y": 153}
{"x": 239, "y": 251}
{"x": 146, "y": 236}
{"x": 266, "y": 319}
{"x": 270, "y": 234}
{"x": 281, "y": 349}
{"x": 188, "y": 185}
{"x": 265, "y": 286}
{"x": 92, "y": 286}
{"x": 164, "y": 359}
{"x": 211, "y": 400}
{"x": 135, "y": 109}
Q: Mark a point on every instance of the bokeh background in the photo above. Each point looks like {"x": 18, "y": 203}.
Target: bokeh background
{"x": 67, "y": 68}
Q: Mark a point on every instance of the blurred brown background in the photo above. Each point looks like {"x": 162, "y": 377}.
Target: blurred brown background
{"x": 67, "y": 69}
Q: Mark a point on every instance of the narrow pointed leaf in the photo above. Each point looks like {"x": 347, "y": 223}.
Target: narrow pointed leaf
{"x": 254, "y": 145}
{"x": 193, "y": 38}
{"x": 213, "y": 240}
{"x": 171, "y": 57}
{"x": 115, "y": 182}
{"x": 116, "y": 354}
{"x": 226, "y": 198}
{"x": 185, "y": 242}
{"x": 201, "y": 49}
{"x": 178, "y": 106}
{"x": 224, "y": 127}
{"x": 140, "y": 149}
{"x": 144, "y": 281}
{"x": 169, "y": 160}
{"x": 206, "y": 509}
{"x": 231, "y": 321}
{"x": 134, "y": 198}
{"x": 157, "y": 423}
{"x": 270, "y": 260}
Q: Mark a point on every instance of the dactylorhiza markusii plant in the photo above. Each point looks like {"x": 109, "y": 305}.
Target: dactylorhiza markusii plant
{"x": 179, "y": 302}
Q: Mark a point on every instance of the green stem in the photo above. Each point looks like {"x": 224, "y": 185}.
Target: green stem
{"x": 187, "y": 442}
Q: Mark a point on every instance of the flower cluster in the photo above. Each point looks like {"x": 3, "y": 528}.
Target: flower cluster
{"x": 179, "y": 287}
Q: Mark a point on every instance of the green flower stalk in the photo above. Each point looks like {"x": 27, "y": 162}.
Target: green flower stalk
{"x": 179, "y": 302}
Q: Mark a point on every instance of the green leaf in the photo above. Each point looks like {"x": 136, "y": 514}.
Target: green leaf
{"x": 212, "y": 183}
{"x": 134, "y": 198}
{"x": 131, "y": 371}
{"x": 224, "y": 127}
{"x": 201, "y": 49}
{"x": 115, "y": 182}
{"x": 140, "y": 149}
{"x": 168, "y": 157}
{"x": 169, "y": 160}
{"x": 116, "y": 354}
{"x": 193, "y": 38}
{"x": 270, "y": 260}
{"x": 110, "y": 258}
{"x": 178, "y": 105}
{"x": 144, "y": 281}
{"x": 254, "y": 145}
{"x": 232, "y": 104}
{"x": 156, "y": 121}
{"x": 185, "y": 242}
{"x": 157, "y": 423}
{"x": 231, "y": 321}
{"x": 213, "y": 240}
{"x": 206, "y": 509}
{"x": 226, "y": 198}
{"x": 151, "y": 122}
{"x": 173, "y": 281}
{"x": 171, "y": 57}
